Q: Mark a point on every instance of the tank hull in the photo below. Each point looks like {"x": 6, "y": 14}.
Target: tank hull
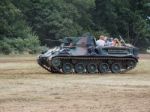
{"x": 90, "y": 64}
{"x": 84, "y": 58}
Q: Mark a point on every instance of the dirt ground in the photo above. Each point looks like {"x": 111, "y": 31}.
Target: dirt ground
{"x": 26, "y": 87}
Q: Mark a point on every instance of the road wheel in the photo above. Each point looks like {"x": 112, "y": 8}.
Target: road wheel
{"x": 116, "y": 68}
{"x": 79, "y": 68}
{"x": 103, "y": 68}
{"x": 56, "y": 62}
{"x": 67, "y": 68}
{"x": 91, "y": 68}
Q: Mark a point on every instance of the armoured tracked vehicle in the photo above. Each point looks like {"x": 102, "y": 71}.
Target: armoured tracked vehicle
{"x": 82, "y": 55}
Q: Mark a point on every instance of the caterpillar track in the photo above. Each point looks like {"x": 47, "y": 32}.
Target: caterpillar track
{"x": 104, "y": 60}
{"x": 90, "y": 65}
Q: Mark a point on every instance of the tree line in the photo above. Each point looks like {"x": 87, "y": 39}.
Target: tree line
{"x": 25, "y": 25}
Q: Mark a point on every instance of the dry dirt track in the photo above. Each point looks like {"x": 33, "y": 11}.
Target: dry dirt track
{"x": 25, "y": 87}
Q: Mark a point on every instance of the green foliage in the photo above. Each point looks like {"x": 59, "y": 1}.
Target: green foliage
{"x": 128, "y": 18}
{"x": 19, "y": 45}
{"x": 24, "y": 24}
{"x": 15, "y": 35}
{"x": 56, "y": 19}
{"x": 5, "y": 47}
{"x": 105, "y": 16}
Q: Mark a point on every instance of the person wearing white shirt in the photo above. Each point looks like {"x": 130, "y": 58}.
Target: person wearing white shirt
{"x": 101, "y": 41}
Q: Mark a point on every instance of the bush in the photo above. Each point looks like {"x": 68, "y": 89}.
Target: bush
{"x": 19, "y": 45}
{"x": 5, "y": 48}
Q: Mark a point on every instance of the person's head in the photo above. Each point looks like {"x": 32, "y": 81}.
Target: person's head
{"x": 105, "y": 38}
{"x": 102, "y": 37}
{"x": 116, "y": 40}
